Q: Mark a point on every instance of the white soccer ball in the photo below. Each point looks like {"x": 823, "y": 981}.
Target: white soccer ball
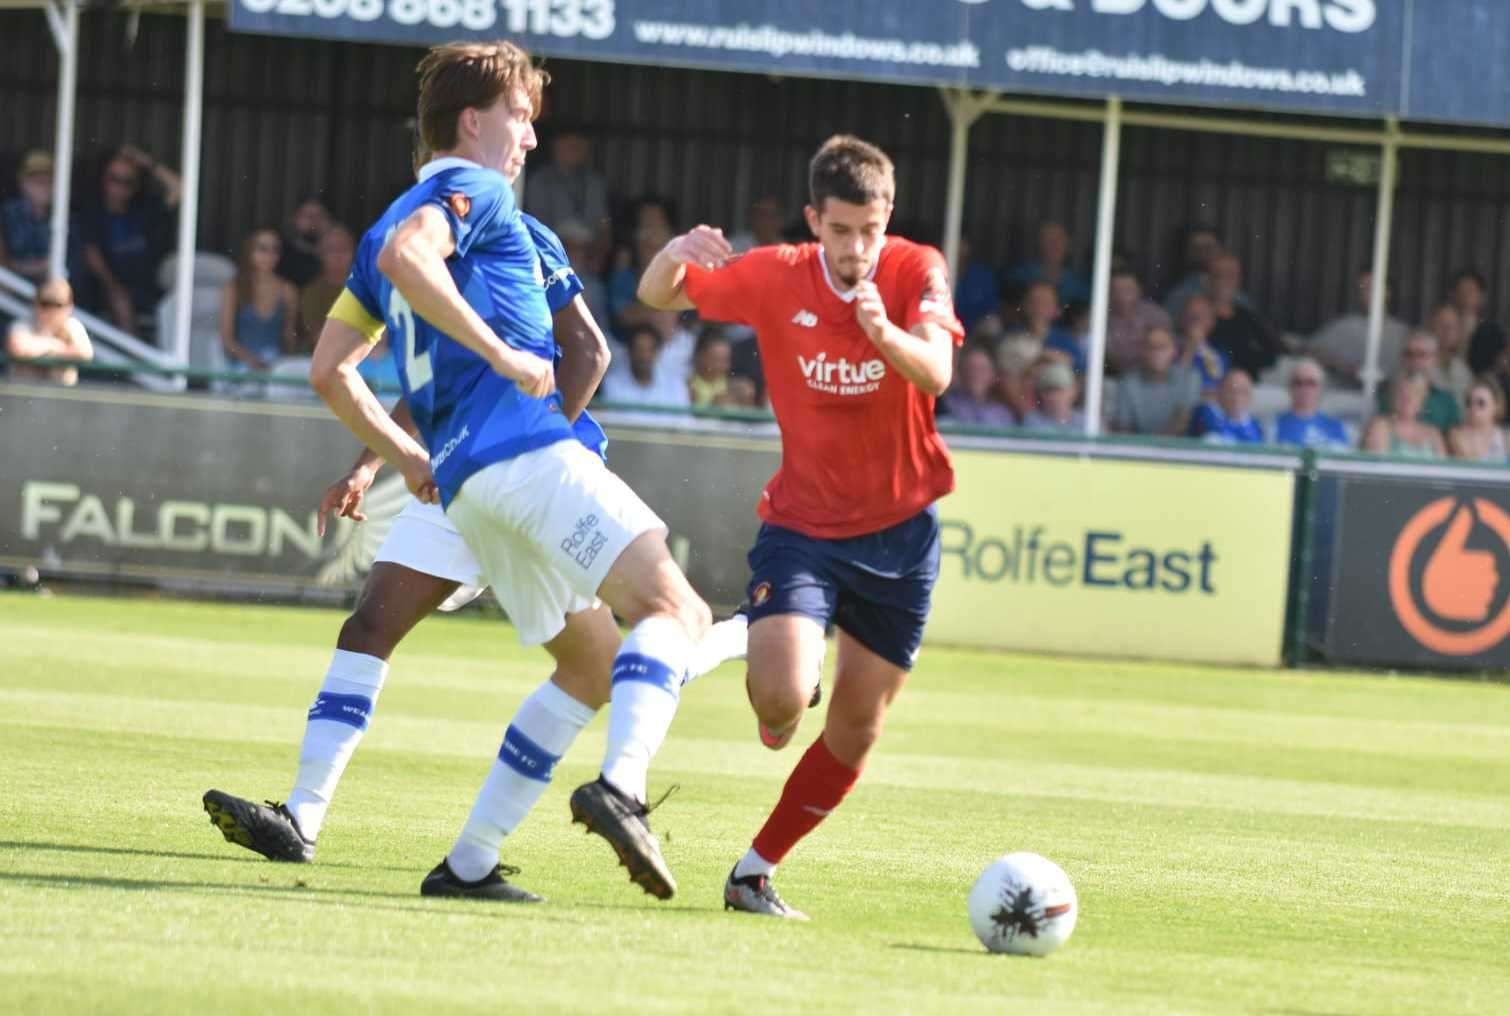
{"x": 1023, "y": 904}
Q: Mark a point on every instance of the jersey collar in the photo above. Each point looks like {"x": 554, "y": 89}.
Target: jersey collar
{"x": 434, "y": 166}
{"x": 848, "y": 295}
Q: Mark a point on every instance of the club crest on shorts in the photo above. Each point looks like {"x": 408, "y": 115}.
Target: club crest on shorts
{"x": 460, "y": 204}
{"x": 760, "y": 594}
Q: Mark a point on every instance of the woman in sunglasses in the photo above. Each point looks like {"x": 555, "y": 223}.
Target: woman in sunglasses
{"x": 52, "y": 333}
{"x": 1481, "y": 438}
{"x": 259, "y": 308}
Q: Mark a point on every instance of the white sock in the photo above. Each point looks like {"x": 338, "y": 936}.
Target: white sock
{"x": 544, "y": 727}
{"x": 647, "y": 677}
{"x": 753, "y": 864}
{"x": 726, "y": 640}
{"x": 337, "y": 721}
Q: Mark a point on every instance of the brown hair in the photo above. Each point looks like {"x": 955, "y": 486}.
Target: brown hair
{"x": 850, "y": 170}
{"x": 467, "y": 75}
{"x": 245, "y": 272}
{"x": 1496, "y": 393}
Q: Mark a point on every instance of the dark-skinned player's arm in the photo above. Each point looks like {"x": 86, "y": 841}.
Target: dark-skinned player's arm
{"x": 414, "y": 260}
{"x": 662, "y": 285}
{"x": 924, "y": 355}
{"x": 584, "y": 357}
{"x": 333, "y": 373}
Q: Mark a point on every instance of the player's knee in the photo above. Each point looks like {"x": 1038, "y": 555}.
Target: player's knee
{"x": 365, "y": 632}
{"x": 777, "y": 699}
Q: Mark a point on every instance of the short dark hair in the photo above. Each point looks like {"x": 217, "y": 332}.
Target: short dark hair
{"x": 850, "y": 170}
{"x": 464, "y": 75}
{"x": 711, "y": 334}
{"x": 1468, "y": 274}
{"x": 644, "y": 328}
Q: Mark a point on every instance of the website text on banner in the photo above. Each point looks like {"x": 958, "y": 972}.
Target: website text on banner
{"x": 1115, "y": 558}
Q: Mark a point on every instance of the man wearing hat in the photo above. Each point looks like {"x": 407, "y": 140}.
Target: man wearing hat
{"x": 25, "y": 220}
{"x": 1056, "y": 412}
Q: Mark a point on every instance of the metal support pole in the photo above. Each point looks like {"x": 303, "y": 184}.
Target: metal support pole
{"x": 188, "y": 207}
{"x": 961, "y": 115}
{"x": 1106, "y": 221}
{"x": 1383, "y": 229}
{"x": 65, "y": 33}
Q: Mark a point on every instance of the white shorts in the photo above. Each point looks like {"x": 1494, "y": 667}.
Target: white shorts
{"x": 422, "y": 539}
{"x": 546, "y": 527}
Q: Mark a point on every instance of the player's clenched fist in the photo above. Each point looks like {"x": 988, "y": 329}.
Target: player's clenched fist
{"x": 703, "y": 246}
{"x": 870, "y": 310}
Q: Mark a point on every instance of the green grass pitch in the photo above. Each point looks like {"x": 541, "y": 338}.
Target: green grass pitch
{"x": 1242, "y": 841}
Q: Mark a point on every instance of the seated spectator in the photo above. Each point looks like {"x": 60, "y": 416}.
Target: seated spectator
{"x": 1244, "y": 337}
{"x": 767, "y": 223}
{"x": 568, "y": 189}
{"x": 579, "y": 242}
{"x": 709, "y": 383}
{"x": 1196, "y": 351}
{"x": 973, "y": 399}
{"x": 52, "y": 333}
{"x": 1158, "y": 397}
{"x": 300, "y": 261}
{"x": 1202, "y": 247}
{"x": 1341, "y": 344}
{"x": 1056, "y": 412}
{"x": 1052, "y": 266}
{"x": 26, "y": 219}
{"x": 977, "y": 292}
{"x": 1227, "y": 421}
{"x": 653, "y": 229}
{"x": 1439, "y": 409}
{"x": 1040, "y": 310}
{"x": 337, "y": 249}
{"x": 1451, "y": 369}
{"x": 1481, "y": 437}
{"x": 123, "y": 235}
{"x": 639, "y": 378}
{"x": 1404, "y": 432}
{"x": 1469, "y": 295}
{"x": 1070, "y": 341}
{"x": 258, "y": 307}
{"x": 1130, "y": 317}
{"x": 1305, "y": 424}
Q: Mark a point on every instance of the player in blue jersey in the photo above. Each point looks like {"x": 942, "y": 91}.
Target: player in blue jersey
{"x": 452, "y": 272}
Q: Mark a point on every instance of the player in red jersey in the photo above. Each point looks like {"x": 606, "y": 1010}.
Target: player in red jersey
{"x": 857, "y": 334}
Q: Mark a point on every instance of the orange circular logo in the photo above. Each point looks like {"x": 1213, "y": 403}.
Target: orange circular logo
{"x": 1449, "y": 591}
{"x": 761, "y": 594}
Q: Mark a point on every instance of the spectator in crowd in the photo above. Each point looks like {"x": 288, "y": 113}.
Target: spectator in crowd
{"x": 767, "y": 223}
{"x": 1239, "y": 333}
{"x": 337, "y": 249}
{"x": 1469, "y": 294}
{"x": 641, "y": 380}
{"x": 258, "y": 307}
{"x": 26, "y": 219}
{"x": 1439, "y": 408}
{"x": 1227, "y": 421}
{"x": 1481, "y": 437}
{"x": 1052, "y": 266}
{"x": 654, "y": 226}
{"x": 123, "y": 234}
{"x": 1158, "y": 397}
{"x": 746, "y": 375}
{"x": 1040, "y": 310}
{"x": 977, "y": 291}
{"x": 1404, "y": 432}
{"x": 709, "y": 383}
{"x": 1070, "y": 342}
{"x": 307, "y": 225}
{"x": 568, "y": 189}
{"x": 973, "y": 399}
{"x": 1342, "y": 343}
{"x": 1305, "y": 424}
{"x": 1451, "y": 369}
{"x": 1015, "y": 367}
{"x": 1056, "y": 412}
{"x": 580, "y": 244}
{"x": 1202, "y": 247}
{"x": 1130, "y": 317}
{"x": 53, "y": 333}
{"x": 1196, "y": 352}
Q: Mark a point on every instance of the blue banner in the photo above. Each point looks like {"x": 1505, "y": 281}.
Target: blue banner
{"x": 1415, "y": 59}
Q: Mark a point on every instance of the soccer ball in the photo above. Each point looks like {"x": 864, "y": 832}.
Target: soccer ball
{"x": 1023, "y": 904}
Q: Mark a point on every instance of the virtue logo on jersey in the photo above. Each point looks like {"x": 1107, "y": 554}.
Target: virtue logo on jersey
{"x": 805, "y": 318}
{"x": 841, "y": 377}
{"x": 451, "y": 445}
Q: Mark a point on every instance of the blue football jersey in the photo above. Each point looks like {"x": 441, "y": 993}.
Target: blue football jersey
{"x": 468, "y": 415}
{"x": 562, "y": 287}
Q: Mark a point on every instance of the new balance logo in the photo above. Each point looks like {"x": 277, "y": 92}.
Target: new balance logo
{"x": 805, "y": 318}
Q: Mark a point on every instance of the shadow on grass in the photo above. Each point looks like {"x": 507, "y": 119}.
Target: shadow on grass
{"x": 916, "y": 947}
{"x": 240, "y": 856}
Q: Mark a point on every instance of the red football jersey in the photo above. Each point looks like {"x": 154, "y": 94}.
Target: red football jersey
{"x": 859, "y": 450}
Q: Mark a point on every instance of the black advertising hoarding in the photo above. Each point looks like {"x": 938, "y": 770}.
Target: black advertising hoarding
{"x": 1420, "y": 572}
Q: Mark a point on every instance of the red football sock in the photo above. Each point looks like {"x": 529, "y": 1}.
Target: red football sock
{"x": 814, "y": 789}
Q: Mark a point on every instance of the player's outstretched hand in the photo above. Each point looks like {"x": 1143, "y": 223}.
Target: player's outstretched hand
{"x": 344, "y": 498}
{"x": 870, "y": 310}
{"x": 703, "y": 246}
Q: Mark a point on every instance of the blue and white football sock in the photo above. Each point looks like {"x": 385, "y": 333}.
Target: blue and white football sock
{"x": 544, "y": 727}
{"x": 337, "y": 721}
{"x": 726, "y": 640}
{"x": 647, "y": 680}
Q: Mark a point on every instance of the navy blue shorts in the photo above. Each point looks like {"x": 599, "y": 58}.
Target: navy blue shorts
{"x": 876, "y": 587}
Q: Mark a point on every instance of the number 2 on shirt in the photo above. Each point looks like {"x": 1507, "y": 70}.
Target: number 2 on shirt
{"x": 416, "y": 366}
